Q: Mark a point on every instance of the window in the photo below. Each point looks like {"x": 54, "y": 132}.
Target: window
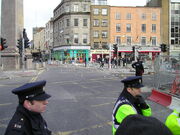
{"x": 153, "y": 41}
{"x": 67, "y": 8}
{"x": 75, "y": 22}
{"x": 143, "y": 16}
{"x": 104, "y": 34}
{"x": 85, "y": 38}
{"x": 128, "y": 16}
{"x": 67, "y": 22}
{"x": 153, "y": 16}
{"x": 128, "y": 40}
{"x": 96, "y": 22}
{"x": 118, "y": 40}
{"x": 75, "y": 8}
{"x": 143, "y": 27}
{"x": 143, "y": 41}
{"x": 85, "y": 22}
{"x": 104, "y": 22}
{"x": 118, "y": 27}
{"x": 153, "y": 27}
{"x": 105, "y": 45}
{"x": 85, "y": 7}
{"x": 76, "y": 38}
{"x": 128, "y": 27}
{"x": 104, "y": 11}
{"x": 117, "y": 16}
{"x": 96, "y": 11}
{"x": 96, "y": 45}
{"x": 96, "y": 34}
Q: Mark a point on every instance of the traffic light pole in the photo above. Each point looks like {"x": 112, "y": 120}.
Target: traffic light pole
{"x": 23, "y": 54}
{"x": 109, "y": 56}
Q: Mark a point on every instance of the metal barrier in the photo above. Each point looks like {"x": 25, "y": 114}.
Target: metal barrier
{"x": 167, "y": 74}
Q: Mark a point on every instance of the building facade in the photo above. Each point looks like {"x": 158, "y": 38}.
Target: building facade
{"x": 170, "y": 24}
{"x": 99, "y": 30}
{"x": 39, "y": 44}
{"x": 49, "y": 37}
{"x": 137, "y": 27}
{"x": 12, "y": 23}
{"x": 71, "y": 28}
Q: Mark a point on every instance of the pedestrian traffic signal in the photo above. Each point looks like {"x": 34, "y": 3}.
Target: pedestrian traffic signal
{"x": 3, "y": 44}
{"x": 115, "y": 48}
{"x": 163, "y": 47}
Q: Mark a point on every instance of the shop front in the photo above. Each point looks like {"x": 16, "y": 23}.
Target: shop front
{"x": 71, "y": 53}
{"x": 95, "y": 54}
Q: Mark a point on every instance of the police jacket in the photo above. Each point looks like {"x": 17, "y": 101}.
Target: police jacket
{"x": 25, "y": 122}
{"x": 173, "y": 122}
{"x": 124, "y": 106}
{"x": 139, "y": 67}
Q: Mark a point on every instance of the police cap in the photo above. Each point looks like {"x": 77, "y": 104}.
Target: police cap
{"x": 133, "y": 81}
{"x": 32, "y": 91}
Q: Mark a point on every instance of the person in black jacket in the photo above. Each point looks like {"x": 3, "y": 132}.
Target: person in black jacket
{"x": 27, "y": 119}
{"x": 138, "y": 66}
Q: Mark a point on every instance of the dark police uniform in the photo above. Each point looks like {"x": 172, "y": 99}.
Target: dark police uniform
{"x": 139, "y": 68}
{"x": 25, "y": 122}
{"x": 127, "y": 104}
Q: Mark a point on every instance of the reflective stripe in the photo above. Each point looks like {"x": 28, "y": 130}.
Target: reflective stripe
{"x": 175, "y": 114}
{"x": 178, "y": 119}
{"x": 117, "y": 105}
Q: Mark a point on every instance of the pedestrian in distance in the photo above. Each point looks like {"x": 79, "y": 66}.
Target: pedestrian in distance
{"x": 138, "y": 66}
{"x": 173, "y": 122}
{"x": 27, "y": 119}
{"x": 142, "y": 125}
{"x": 129, "y": 102}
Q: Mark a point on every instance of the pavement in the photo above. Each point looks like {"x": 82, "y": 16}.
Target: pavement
{"x": 28, "y": 73}
{"x": 18, "y": 73}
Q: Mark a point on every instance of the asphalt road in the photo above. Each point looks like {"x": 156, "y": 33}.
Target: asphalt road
{"x": 82, "y": 99}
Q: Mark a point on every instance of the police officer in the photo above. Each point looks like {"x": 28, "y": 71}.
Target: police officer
{"x": 129, "y": 102}
{"x": 27, "y": 119}
{"x": 173, "y": 122}
{"x": 138, "y": 66}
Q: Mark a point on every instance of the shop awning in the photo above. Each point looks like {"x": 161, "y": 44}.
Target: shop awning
{"x": 150, "y": 51}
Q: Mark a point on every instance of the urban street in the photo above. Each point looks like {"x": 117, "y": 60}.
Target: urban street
{"x": 82, "y": 98}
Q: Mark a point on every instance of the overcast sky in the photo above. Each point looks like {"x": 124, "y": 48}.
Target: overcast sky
{"x": 38, "y": 12}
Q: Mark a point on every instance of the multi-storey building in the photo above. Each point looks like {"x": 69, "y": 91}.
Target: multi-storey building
{"x": 71, "y": 28}
{"x": 170, "y": 24}
{"x": 49, "y": 37}
{"x": 138, "y": 27}
{"x": 99, "y": 29}
{"x": 38, "y": 42}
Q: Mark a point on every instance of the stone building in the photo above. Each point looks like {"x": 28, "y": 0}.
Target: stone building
{"x": 71, "y": 30}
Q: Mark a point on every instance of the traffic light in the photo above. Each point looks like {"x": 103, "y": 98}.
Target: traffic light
{"x": 115, "y": 48}
{"x": 3, "y": 44}
{"x": 26, "y": 43}
{"x": 26, "y": 40}
{"x": 19, "y": 46}
{"x": 163, "y": 47}
{"x": 133, "y": 49}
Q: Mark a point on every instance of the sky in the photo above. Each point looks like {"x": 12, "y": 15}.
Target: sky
{"x": 38, "y": 12}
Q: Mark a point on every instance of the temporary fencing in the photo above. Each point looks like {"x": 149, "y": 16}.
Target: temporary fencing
{"x": 166, "y": 81}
